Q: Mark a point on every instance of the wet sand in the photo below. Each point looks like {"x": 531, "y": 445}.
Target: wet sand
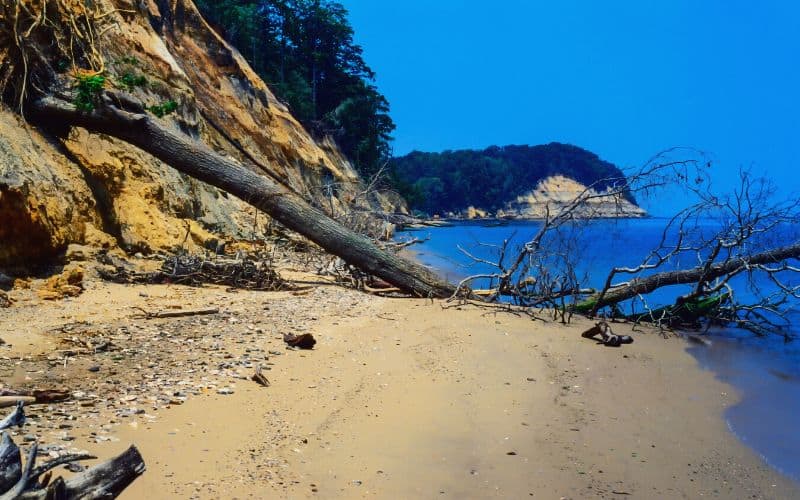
{"x": 404, "y": 399}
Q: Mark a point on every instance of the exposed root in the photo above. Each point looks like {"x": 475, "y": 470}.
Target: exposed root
{"x": 44, "y": 40}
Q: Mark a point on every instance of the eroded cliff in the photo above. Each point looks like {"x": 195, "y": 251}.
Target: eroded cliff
{"x": 92, "y": 189}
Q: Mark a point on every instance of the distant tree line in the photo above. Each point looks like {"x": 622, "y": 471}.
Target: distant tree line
{"x": 437, "y": 183}
{"x": 304, "y": 50}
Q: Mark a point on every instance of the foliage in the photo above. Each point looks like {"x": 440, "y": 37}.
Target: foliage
{"x": 163, "y": 109}
{"x": 437, "y": 183}
{"x": 304, "y": 49}
{"x": 130, "y": 81}
{"x": 88, "y": 91}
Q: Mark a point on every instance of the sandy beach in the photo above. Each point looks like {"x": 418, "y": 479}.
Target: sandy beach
{"x": 400, "y": 398}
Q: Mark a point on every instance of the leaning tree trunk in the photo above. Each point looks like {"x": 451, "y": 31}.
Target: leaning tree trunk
{"x": 126, "y": 120}
{"x": 648, "y": 284}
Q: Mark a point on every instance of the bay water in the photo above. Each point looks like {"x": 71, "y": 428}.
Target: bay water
{"x": 765, "y": 370}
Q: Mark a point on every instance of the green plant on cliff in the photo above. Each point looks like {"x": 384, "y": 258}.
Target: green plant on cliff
{"x": 88, "y": 89}
{"x": 163, "y": 109}
{"x": 129, "y": 81}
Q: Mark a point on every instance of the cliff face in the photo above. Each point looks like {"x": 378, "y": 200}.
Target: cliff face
{"x": 96, "y": 190}
{"x": 553, "y": 193}
{"x": 557, "y": 191}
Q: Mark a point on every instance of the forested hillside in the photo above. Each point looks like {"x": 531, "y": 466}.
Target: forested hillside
{"x": 437, "y": 183}
{"x": 304, "y": 51}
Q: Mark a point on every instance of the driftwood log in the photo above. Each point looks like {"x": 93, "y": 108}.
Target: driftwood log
{"x": 106, "y": 480}
{"x": 126, "y": 121}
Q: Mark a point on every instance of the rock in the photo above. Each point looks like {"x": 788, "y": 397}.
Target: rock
{"x": 75, "y": 467}
{"x": 94, "y": 368}
{"x": 5, "y": 300}
{"x": 6, "y": 281}
{"x": 67, "y": 284}
{"x": 80, "y": 253}
{"x": 225, "y": 391}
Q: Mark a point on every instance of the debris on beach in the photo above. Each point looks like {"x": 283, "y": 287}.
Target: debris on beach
{"x": 607, "y": 336}
{"x": 304, "y": 341}
{"x": 67, "y": 284}
{"x": 259, "y": 377}
{"x": 18, "y": 481}
{"x": 244, "y": 271}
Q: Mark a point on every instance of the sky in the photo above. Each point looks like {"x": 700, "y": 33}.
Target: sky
{"x": 624, "y": 79}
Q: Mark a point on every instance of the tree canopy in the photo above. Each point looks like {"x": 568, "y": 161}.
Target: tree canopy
{"x": 437, "y": 183}
{"x": 304, "y": 50}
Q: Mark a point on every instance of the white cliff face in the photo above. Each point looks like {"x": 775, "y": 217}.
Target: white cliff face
{"x": 557, "y": 191}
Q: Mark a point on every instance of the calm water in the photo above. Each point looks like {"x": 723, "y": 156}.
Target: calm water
{"x": 765, "y": 370}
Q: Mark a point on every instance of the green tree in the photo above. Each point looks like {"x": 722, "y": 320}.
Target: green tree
{"x": 304, "y": 49}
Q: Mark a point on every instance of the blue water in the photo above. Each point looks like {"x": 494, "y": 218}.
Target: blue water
{"x": 766, "y": 371}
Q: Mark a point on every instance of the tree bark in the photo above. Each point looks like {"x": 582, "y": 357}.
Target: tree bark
{"x": 647, "y": 284}
{"x": 10, "y": 463}
{"x": 119, "y": 118}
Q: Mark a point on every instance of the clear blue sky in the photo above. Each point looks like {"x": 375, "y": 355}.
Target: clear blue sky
{"x": 624, "y": 79}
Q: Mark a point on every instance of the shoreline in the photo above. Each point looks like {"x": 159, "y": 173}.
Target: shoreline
{"x": 400, "y": 398}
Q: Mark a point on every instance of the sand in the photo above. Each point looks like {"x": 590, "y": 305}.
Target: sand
{"x": 403, "y": 398}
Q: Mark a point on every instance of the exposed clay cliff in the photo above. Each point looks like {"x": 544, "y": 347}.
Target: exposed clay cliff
{"x": 96, "y": 190}
{"x": 558, "y": 191}
{"x": 554, "y": 193}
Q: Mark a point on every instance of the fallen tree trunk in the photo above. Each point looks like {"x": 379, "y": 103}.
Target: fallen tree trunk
{"x": 127, "y": 121}
{"x": 648, "y": 284}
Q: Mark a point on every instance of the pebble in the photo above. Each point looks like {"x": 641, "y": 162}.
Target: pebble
{"x": 225, "y": 391}
{"x": 94, "y": 368}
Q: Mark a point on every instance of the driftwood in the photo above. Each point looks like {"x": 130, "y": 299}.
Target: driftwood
{"x": 302, "y": 341}
{"x": 106, "y": 480}
{"x": 197, "y": 160}
{"x": 16, "y": 419}
{"x": 259, "y": 377}
{"x": 10, "y": 463}
{"x": 607, "y": 337}
{"x": 182, "y": 314}
{"x": 45, "y": 396}
{"x": 245, "y": 271}
{"x": 8, "y": 401}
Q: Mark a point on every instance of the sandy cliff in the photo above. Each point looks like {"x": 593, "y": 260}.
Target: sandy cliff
{"x": 97, "y": 190}
{"x": 555, "y": 192}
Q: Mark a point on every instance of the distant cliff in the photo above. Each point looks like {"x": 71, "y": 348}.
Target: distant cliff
{"x": 510, "y": 181}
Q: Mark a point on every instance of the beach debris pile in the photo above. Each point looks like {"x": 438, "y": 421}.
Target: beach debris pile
{"x": 242, "y": 271}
